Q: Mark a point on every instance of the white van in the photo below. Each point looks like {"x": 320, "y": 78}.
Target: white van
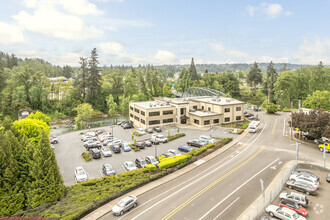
{"x": 254, "y": 126}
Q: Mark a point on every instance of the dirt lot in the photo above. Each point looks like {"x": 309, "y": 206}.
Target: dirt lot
{"x": 319, "y": 205}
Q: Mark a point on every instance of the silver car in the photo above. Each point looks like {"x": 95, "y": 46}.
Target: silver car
{"x": 305, "y": 176}
{"x": 296, "y": 197}
{"x": 124, "y": 205}
{"x": 152, "y": 160}
{"x": 129, "y": 165}
{"x": 283, "y": 213}
{"x": 80, "y": 174}
{"x": 106, "y": 152}
{"x": 175, "y": 152}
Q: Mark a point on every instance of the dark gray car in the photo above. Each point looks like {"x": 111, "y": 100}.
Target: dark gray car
{"x": 124, "y": 205}
{"x": 301, "y": 186}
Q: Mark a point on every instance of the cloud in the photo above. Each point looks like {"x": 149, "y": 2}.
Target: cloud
{"x": 228, "y": 53}
{"x": 114, "y": 48}
{"x": 313, "y": 51}
{"x": 71, "y": 59}
{"x": 76, "y": 7}
{"x": 269, "y": 10}
{"x": 10, "y": 34}
{"x": 49, "y": 21}
{"x": 164, "y": 57}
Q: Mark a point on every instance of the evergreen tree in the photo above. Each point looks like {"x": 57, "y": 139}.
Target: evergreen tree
{"x": 192, "y": 70}
{"x": 112, "y": 105}
{"x": 254, "y": 76}
{"x": 81, "y": 81}
{"x": 94, "y": 80}
{"x": 271, "y": 79}
{"x": 149, "y": 80}
{"x": 143, "y": 86}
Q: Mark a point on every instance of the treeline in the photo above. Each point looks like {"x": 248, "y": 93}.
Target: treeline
{"x": 29, "y": 174}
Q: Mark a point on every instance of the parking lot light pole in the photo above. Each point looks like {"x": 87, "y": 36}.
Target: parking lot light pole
{"x": 155, "y": 149}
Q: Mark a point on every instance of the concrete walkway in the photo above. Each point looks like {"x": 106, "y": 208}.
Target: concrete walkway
{"x": 108, "y": 207}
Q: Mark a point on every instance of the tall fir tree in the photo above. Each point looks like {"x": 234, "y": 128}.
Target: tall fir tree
{"x": 192, "y": 70}
{"x": 149, "y": 80}
{"x": 94, "y": 81}
{"x": 254, "y": 76}
{"x": 81, "y": 81}
{"x": 271, "y": 80}
{"x": 143, "y": 86}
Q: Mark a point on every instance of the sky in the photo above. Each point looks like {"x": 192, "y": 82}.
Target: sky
{"x": 133, "y": 32}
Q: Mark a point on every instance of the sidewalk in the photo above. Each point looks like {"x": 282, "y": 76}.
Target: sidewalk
{"x": 107, "y": 207}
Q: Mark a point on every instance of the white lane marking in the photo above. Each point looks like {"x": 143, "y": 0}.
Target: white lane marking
{"x": 101, "y": 173}
{"x": 196, "y": 180}
{"x": 199, "y": 162}
{"x": 241, "y": 186}
{"x": 273, "y": 167}
{"x": 284, "y": 127}
{"x": 226, "y": 208}
{"x": 280, "y": 162}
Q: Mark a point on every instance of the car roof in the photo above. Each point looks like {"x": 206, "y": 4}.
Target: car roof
{"x": 288, "y": 210}
{"x": 129, "y": 162}
{"x": 79, "y": 168}
{"x": 107, "y": 165}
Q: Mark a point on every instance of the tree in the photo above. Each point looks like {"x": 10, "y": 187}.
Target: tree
{"x": 318, "y": 99}
{"x": 40, "y": 116}
{"x": 271, "y": 79}
{"x": 167, "y": 91}
{"x": 24, "y": 75}
{"x": 67, "y": 71}
{"x": 81, "y": 81}
{"x": 230, "y": 84}
{"x": 124, "y": 106}
{"x": 112, "y": 105}
{"x": 271, "y": 108}
{"x": 254, "y": 76}
{"x": 85, "y": 112}
{"x": 287, "y": 84}
{"x": 94, "y": 80}
{"x": 31, "y": 128}
{"x": 192, "y": 71}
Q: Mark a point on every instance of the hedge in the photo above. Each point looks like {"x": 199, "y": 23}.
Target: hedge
{"x": 86, "y": 156}
{"x": 151, "y": 167}
{"x": 137, "y": 133}
{"x": 245, "y": 125}
{"x": 173, "y": 137}
{"x": 166, "y": 162}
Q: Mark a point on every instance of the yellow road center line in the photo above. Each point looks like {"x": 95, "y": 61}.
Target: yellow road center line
{"x": 211, "y": 185}
{"x": 273, "y": 131}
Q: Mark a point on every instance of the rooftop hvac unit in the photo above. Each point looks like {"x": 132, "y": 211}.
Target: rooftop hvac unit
{"x": 150, "y": 104}
{"x": 162, "y": 104}
{"x": 227, "y": 100}
{"x": 219, "y": 100}
{"x": 214, "y": 99}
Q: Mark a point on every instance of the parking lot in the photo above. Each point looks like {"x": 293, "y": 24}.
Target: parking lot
{"x": 69, "y": 149}
{"x": 318, "y": 206}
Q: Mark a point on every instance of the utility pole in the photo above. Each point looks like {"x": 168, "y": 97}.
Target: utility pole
{"x": 291, "y": 122}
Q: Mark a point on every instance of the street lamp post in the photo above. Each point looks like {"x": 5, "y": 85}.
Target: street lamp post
{"x": 155, "y": 149}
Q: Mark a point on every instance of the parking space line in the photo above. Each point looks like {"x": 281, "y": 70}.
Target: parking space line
{"x": 101, "y": 173}
{"x": 226, "y": 208}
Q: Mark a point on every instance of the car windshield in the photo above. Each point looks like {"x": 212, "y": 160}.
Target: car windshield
{"x": 80, "y": 172}
{"x": 106, "y": 149}
{"x": 130, "y": 164}
{"x": 295, "y": 216}
{"x": 108, "y": 168}
{"x": 121, "y": 203}
{"x": 153, "y": 160}
{"x": 161, "y": 136}
{"x": 143, "y": 162}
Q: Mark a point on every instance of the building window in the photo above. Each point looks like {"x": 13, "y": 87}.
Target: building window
{"x": 137, "y": 110}
{"x": 143, "y": 113}
{"x": 216, "y": 121}
{"x": 209, "y": 109}
{"x": 202, "y": 107}
{"x": 131, "y": 107}
{"x": 238, "y": 118}
{"x": 227, "y": 119}
{"x": 195, "y": 107}
{"x": 154, "y": 122}
{"x": 227, "y": 109}
{"x": 169, "y": 112}
{"x": 154, "y": 113}
{"x": 131, "y": 115}
{"x": 182, "y": 111}
{"x": 238, "y": 109}
{"x": 207, "y": 122}
{"x": 137, "y": 118}
{"x": 143, "y": 121}
{"x": 169, "y": 120}
{"x": 196, "y": 121}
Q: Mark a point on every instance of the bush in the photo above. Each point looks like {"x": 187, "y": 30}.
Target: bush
{"x": 286, "y": 110}
{"x": 166, "y": 162}
{"x": 150, "y": 167}
{"x": 271, "y": 108}
{"x": 240, "y": 131}
{"x": 86, "y": 156}
{"x": 245, "y": 125}
{"x": 173, "y": 137}
{"x": 137, "y": 133}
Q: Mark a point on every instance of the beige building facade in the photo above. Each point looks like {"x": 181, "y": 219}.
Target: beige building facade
{"x": 200, "y": 111}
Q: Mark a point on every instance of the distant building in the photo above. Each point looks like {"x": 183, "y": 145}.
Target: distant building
{"x": 57, "y": 87}
{"x": 23, "y": 113}
{"x": 201, "y": 111}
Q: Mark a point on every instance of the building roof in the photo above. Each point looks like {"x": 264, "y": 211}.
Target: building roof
{"x": 207, "y": 99}
{"x": 203, "y": 113}
{"x": 150, "y": 105}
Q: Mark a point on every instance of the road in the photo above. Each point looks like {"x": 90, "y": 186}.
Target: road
{"x": 225, "y": 186}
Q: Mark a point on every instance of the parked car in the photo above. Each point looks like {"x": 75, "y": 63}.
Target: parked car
{"x": 140, "y": 162}
{"x": 168, "y": 154}
{"x": 149, "y": 130}
{"x": 157, "y": 129}
{"x": 253, "y": 118}
{"x": 120, "y": 123}
{"x": 162, "y": 138}
{"x": 115, "y": 142}
{"x": 175, "y": 152}
{"x": 248, "y": 115}
{"x": 305, "y": 176}
{"x": 124, "y": 205}
{"x": 108, "y": 170}
{"x": 92, "y": 144}
{"x": 100, "y": 131}
{"x": 267, "y": 218}
{"x": 103, "y": 138}
{"x": 95, "y": 153}
{"x": 328, "y": 178}
{"x": 206, "y": 139}
{"x": 294, "y": 206}
{"x": 154, "y": 139}
{"x": 307, "y": 136}
{"x": 296, "y": 197}
{"x": 80, "y": 174}
{"x": 147, "y": 143}
{"x": 125, "y": 147}
{"x": 115, "y": 149}
{"x": 123, "y": 123}
{"x": 141, "y": 131}
{"x": 152, "y": 160}
{"x": 52, "y": 141}
{"x": 106, "y": 152}
{"x": 140, "y": 145}
{"x": 196, "y": 143}
{"x": 129, "y": 165}
{"x": 52, "y": 146}
{"x": 127, "y": 125}
{"x": 185, "y": 148}
{"x": 89, "y": 138}
{"x": 55, "y": 139}
{"x": 107, "y": 142}
{"x": 321, "y": 140}
{"x": 327, "y": 147}
{"x": 307, "y": 188}
{"x": 283, "y": 213}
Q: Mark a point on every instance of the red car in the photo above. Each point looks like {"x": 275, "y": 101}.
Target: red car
{"x": 294, "y": 206}
{"x": 249, "y": 115}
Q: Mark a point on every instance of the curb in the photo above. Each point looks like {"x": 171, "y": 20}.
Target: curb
{"x": 103, "y": 210}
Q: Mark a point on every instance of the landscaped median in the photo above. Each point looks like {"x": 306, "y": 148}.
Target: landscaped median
{"x": 173, "y": 137}
{"x": 82, "y": 198}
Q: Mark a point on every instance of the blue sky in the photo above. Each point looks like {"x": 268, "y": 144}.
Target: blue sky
{"x": 133, "y": 32}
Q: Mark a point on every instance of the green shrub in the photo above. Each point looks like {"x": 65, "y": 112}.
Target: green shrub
{"x": 271, "y": 108}
{"x": 151, "y": 167}
{"x": 286, "y": 110}
{"x": 240, "y": 131}
{"x": 166, "y": 162}
{"x": 245, "y": 125}
{"x": 86, "y": 156}
{"x": 137, "y": 133}
{"x": 173, "y": 137}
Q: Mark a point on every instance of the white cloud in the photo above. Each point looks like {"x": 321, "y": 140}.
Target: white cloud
{"x": 10, "y": 34}
{"x": 164, "y": 57}
{"x": 228, "y": 53}
{"x": 313, "y": 51}
{"x": 49, "y": 21}
{"x": 269, "y": 10}
{"x": 114, "y": 48}
{"x": 71, "y": 59}
{"x": 77, "y": 7}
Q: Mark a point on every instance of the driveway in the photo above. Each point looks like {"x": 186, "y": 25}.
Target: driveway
{"x": 69, "y": 149}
